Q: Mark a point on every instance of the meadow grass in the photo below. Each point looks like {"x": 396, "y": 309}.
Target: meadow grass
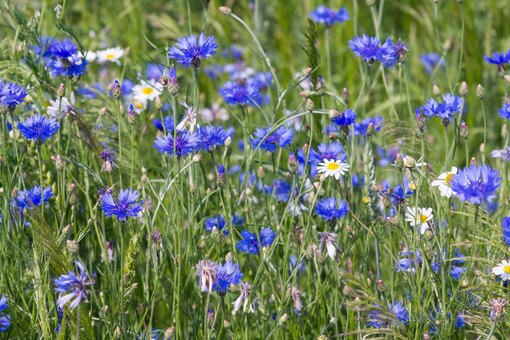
{"x": 373, "y": 275}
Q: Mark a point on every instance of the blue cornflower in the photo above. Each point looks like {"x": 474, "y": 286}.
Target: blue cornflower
{"x": 346, "y": 118}
{"x": 212, "y": 137}
{"x": 11, "y": 94}
{"x": 190, "y": 50}
{"x": 505, "y": 225}
{"x": 217, "y": 221}
{"x": 476, "y": 184}
{"x": 168, "y": 122}
{"x": 75, "y": 285}
{"x": 408, "y": 262}
{"x": 358, "y": 181}
{"x": 236, "y": 52}
{"x": 330, "y": 209}
{"x": 63, "y": 59}
{"x": 328, "y": 17}
{"x": 269, "y": 140}
{"x": 127, "y": 204}
{"x": 445, "y": 110}
{"x": 44, "y": 46}
{"x": 184, "y": 144}
{"x": 498, "y": 58}
{"x": 400, "y": 316}
{"x": 243, "y": 93}
{"x": 504, "y": 111}
{"x": 227, "y": 274}
{"x": 280, "y": 189}
{"x": 390, "y": 53}
{"x": 250, "y": 243}
{"x": 366, "y": 48}
{"x": 360, "y": 129}
{"x": 430, "y": 61}
{"x": 38, "y": 128}
{"x": 293, "y": 262}
{"x": 32, "y": 197}
{"x": 399, "y": 193}
{"x": 5, "y": 319}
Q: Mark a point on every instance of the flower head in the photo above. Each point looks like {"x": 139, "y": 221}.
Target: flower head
{"x": 398, "y": 315}
{"x": 192, "y": 49}
{"x": 327, "y": 240}
{"x": 366, "y": 48}
{"x": 503, "y": 154}
{"x": 330, "y": 209}
{"x": 183, "y": 144}
{"x": 243, "y": 299}
{"x": 11, "y": 94}
{"x": 5, "y": 319}
{"x": 244, "y": 92}
{"x": 108, "y": 157}
{"x": 443, "y": 182}
{"x": 505, "y": 226}
{"x": 419, "y": 217}
{"x": 126, "y": 205}
{"x": 110, "y": 55}
{"x": 227, "y": 274}
{"x": 476, "y": 184}
{"x": 430, "y": 61}
{"x": 346, "y": 118}
{"x": 250, "y": 243}
{"x": 409, "y": 261}
{"x": 269, "y": 140}
{"x": 63, "y": 59}
{"x": 333, "y": 168}
{"x": 391, "y": 53}
{"x": 206, "y": 271}
{"x": 498, "y": 58}
{"x": 212, "y": 137}
{"x": 75, "y": 285}
{"x": 502, "y": 270}
{"x": 38, "y": 128}
{"x": 328, "y": 17}
{"x": 445, "y": 110}
{"x": 147, "y": 90}
{"x": 33, "y": 197}
{"x": 504, "y": 111}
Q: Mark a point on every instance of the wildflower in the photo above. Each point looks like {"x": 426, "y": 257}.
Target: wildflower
{"x": 212, "y": 137}
{"x": 295, "y": 295}
{"x": 476, "y": 184}
{"x": 443, "y": 182}
{"x": 504, "y": 111}
{"x": 192, "y": 49}
{"x": 366, "y": 47}
{"x": 390, "y": 53}
{"x": 61, "y": 107}
{"x": 250, "y": 244}
{"x": 75, "y": 285}
{"x": 38, "y": 128}
{"x": 505, "y": 225}
{"x": 327, "y": 240}
{"x": 147, "y": 90}
{"x": 503, "y": 154}
{"x": 397, "y": 313}
{"x": 217, "y": 222}
{"x": 409, "y": 261}
{"x": 214, "y": 113}
{"x": 361, "y": 129}
{"x": 445, "y": 110}
{"x": 333, "y": 168}
{"x": 227, "y": 274}
{"x": 243, "y": 93}
{"x": 182, "y": 145}
{"x": 330, "y": 209}
{"x": 126, "y": 205}
{"x": 430, "y": 61}
{"x": 5, "y": 319}
{"x": 64, "y": 59}
{"x": 243, "y": 300}
{"x": 502, "y": 270}
{"x": 293, "y": 263}
{"x": 110, "y": 54}
{"x": 33, "y": 197}
{"x": 108, "y": 157}
{"x": 206, "y": 271}
{"x": 419, "y": 217}
{"x": 328, "y": 17}
{"x": 498, "y": 58}
{"x": 189, "y": 122}
{"x": 346, "y": 118}
{"x": 11, "y": 95}
{"x": 497, "y": 308}
{"x": 269, "y": 139}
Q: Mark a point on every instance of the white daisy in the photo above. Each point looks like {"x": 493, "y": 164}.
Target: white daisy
{"x": 502, "y": 270}
{"x": 110, "y": 54}
{"x": 333, "y": 168}
{"x": 443, "y": 182}
{"x": 89, "y": 56}
{"x": 147, "y": 90}
{"x": 419, "y": 217}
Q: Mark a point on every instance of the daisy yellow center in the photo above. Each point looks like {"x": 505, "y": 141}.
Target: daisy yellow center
{"x": 333, "y": 166}
{"x": 506, "y": 269}
{"x": 147, "y": 90}
{"x": 110, "y": 56}
{"x": 138, "y": 105}
{"x": 423, "y": 218}
{"x": 448, "y": 178}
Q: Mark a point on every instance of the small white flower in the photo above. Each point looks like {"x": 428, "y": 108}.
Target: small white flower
{"x": 189, "y": 122}
{"x": 419, "y": 217}
{"x": 110, "y": 54}
{"x": 502, "y": 270}
{"x": 89, "y": 56}
{"x": 443, "y": 182}
{"x": 59, "y": 108}
{"x": 332, "y": 168}
{"x": 147, "y": 90}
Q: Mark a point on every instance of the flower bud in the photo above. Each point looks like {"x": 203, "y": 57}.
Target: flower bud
{"x": 436, "y": 90}
{"x": 61, "y": 90}
{"x": 309, "y": 104}
{"x": 346, "y": 94}
{"x": 399, "y": 161}
{"x": 225, "y": 10}
{"x": 463, "y": 89}
{"x": 464, "y": 131}
{"x": 116, "y": 90}
{"x": 480, "y": 91}
{"x": 409, "y": 162}
{"x": 292, "y": 163}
